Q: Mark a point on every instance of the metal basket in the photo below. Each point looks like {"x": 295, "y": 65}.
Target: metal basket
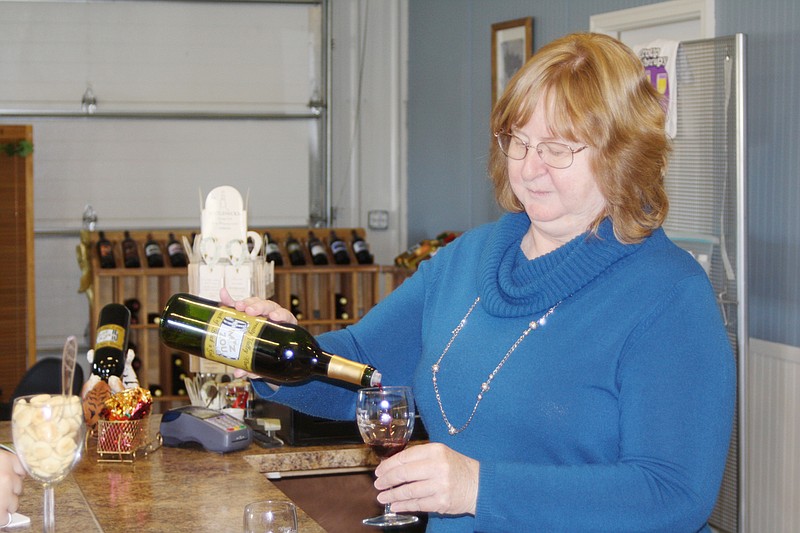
{"x": 118, "y": 441}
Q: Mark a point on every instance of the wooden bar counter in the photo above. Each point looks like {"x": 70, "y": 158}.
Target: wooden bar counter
{"x": 179, "y": 489}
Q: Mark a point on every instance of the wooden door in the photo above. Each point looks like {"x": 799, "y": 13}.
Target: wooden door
{"x": 17, "y": 311}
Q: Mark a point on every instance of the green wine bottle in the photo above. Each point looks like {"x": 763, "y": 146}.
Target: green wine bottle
{"x": 281, "y": 352}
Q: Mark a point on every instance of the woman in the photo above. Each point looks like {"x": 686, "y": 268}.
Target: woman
{"x": 568, "y": 361}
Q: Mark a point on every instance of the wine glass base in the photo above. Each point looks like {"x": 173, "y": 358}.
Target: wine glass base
{"x": 390, "y": 520}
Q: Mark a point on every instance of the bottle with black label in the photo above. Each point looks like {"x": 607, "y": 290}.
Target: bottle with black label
{"x": 361, "y": 250}
{"x": 177, "y": 257}
{"x": 153, "y": 253}
{"x": 317, "y": 250}
{"x": 338, "y": 249}
{"x": 295, "y": 251}
{"x": 273, "y": 251}
{"x": 130, "y": 252}
{"x": 111, "y": 341}
{"x": 105, "y": 251}
{"x": 281, "y": 352}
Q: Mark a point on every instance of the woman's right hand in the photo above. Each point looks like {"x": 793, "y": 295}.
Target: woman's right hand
{"x": 255, "y": 306}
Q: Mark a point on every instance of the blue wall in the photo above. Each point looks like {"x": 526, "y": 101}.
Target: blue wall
{"x": 448, "y": 114}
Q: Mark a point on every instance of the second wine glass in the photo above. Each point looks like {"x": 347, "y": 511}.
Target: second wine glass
{"x": 48, "y": 437}
{"x": 385, "y": 417}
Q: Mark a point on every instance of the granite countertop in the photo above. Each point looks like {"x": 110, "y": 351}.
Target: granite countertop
{"x": 180, "y": 489}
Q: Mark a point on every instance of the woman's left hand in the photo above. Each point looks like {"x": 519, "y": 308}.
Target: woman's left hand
{"x": 429, "y": 478}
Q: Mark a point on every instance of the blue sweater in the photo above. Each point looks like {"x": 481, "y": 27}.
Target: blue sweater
{"x": 614, "y": 416}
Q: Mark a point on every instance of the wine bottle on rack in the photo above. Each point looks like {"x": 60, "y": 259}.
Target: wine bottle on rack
{"x": 130, "y": 252}
{"x": 281, "y": 352}
{"x": 361, "y": 250}
{"x": 317, "y": 250}
{"x": 273, "y": 250}
{"x": 153, "y": 253}
{"x": 133, "y": 306}
{"x": 111, "y": 341}
{"x": 338, "y": 249}
{"x": 295, "y": 251}
{"x": 177, "y": 257}
{"x": 105, "y": 251}
{"x": 178, "y": 375}
{"x": 340, "y": 304}
{"x": 294, "y": 307}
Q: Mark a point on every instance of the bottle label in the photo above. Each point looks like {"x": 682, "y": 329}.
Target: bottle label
{"x": 151, "y": 249}
{"x": 174, "y": 248}
{"x": 360, "y": 246}
{"x": 231, "y": 340}
{"x": 317, "y": 249}
{"x": 338, "y": 246}
{"x": 110, "y": 336}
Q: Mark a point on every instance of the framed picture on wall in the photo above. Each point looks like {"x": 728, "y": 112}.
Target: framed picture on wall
{"x": 512, "y": 46}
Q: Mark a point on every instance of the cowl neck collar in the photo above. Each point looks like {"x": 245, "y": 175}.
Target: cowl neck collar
{"x": 511, "y": 285}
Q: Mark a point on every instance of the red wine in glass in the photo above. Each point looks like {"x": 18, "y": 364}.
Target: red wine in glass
{"x": 385, "y": 418}
{"x": 386, "y": 449}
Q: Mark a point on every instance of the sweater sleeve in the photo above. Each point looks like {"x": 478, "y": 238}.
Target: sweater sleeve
{"x": 676, "y": 389}
{"x": 388, "y": 337}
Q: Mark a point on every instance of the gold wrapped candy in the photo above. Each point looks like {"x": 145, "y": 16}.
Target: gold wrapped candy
{"x": 129, "y": 404}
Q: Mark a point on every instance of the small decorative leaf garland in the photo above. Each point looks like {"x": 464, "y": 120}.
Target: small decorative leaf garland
{"x": 21, "y": 148}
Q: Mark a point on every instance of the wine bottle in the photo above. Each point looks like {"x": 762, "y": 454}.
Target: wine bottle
{"x": 338, "y": 249}
{"x": 177, "y": 257}
{"x": 361, "y": 250}
{"x": 294, "y": 307}
{"x": 133, "y": 306}
{"x": 105, "y": 251}
{"x": 295, "y": 251}
{"x": 130, "y": 252}
{"x": 111, "y": 341}
{"x": 273, "y": 250}
{"x": 281, "y": 352}
{"x": 340, "y": 304}
{"x": 153, "y": 253}
{"x": 317, "y": 250}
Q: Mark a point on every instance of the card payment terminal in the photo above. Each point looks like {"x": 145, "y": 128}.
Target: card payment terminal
{"x": 213, "y": 430}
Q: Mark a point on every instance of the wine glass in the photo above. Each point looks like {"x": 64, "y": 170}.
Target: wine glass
{"x": 385, "y": 417}
{"x": 49, "y": 433}
{"x": 270, "y": 516}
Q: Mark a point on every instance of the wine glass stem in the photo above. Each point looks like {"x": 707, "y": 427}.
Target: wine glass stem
{"x": 49, "y": 509}
{"x": 387, "y": 510}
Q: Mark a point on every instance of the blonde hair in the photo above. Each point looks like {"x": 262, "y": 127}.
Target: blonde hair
{"x": 595, "y": 92}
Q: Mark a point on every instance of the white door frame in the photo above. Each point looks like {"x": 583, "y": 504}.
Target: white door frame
{"x": 614, "y": 22}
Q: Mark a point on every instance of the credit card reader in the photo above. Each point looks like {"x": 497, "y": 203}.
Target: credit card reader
{"x": 213, "y": 430}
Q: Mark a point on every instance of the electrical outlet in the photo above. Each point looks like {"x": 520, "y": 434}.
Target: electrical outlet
{"x": 378, "y": 219}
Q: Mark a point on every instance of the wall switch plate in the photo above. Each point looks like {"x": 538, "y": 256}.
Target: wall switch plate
{"x": 378, "y": 219}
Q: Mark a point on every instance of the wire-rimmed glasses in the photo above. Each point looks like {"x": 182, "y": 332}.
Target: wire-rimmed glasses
{"x": 553, "y": 154}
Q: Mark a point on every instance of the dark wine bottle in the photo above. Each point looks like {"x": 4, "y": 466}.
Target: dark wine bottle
{"x": 295, "y": 251}
{"x": 338, "y": 249}
{"x": 273, "y": 251}
{"x": 130, "y": 252}
{"x": 295, "y": 308}
{"x": 153, "y": 253}
{"x": 177, "y": 257}
{"x": 340, "y": 305}
{"x": 111, "y": 341}
{"x": 105, "y": 252}
{"x": 281, "y": 352}
{"x": 361, "y": 250}
{"x": 317, "y": 250}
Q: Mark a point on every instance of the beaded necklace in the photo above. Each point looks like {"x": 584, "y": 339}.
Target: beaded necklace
{"x": 485, "y": 386}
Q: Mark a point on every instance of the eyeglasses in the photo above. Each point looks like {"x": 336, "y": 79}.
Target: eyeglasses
{"x": 555, "y": 155}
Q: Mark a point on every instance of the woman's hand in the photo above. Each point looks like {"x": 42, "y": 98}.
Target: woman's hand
{"x": 429, "y": 478}
{"x": 255, "y": 306}
{"x": 11, "y": 476}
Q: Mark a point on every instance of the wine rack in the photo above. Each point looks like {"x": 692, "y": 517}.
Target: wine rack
{"x": 328, "y": 296}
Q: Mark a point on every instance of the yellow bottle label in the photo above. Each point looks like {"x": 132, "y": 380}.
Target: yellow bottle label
{"x": 110, "y": 336}
{"x": 231, "y": 339}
